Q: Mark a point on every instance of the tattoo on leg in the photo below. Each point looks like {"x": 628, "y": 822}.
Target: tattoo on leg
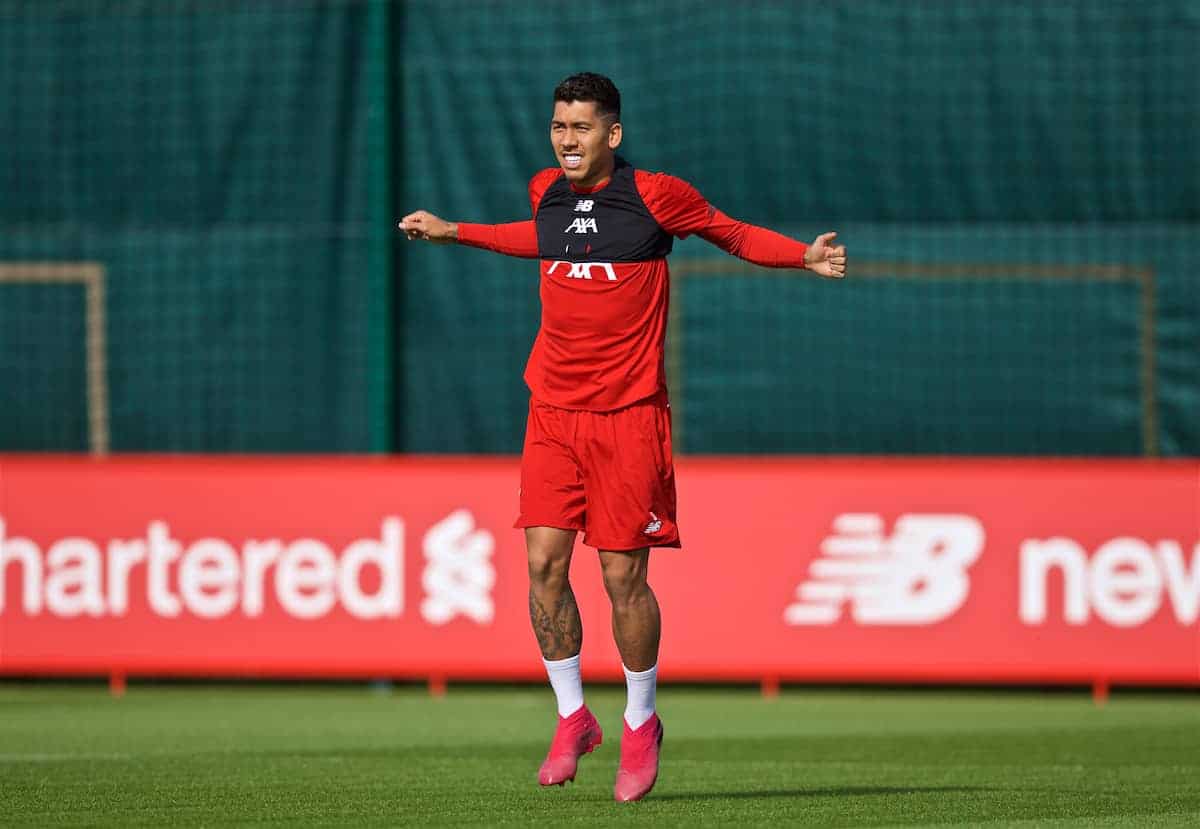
{"x": 559, "y": 631}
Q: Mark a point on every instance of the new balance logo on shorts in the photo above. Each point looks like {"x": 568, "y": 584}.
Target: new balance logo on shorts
{"x": 917, "y": 576}
{"x": 654, "y": 526}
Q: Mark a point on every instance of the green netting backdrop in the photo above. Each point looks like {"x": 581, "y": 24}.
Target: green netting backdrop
{"x": 1035, "y": 162}
{"x": 1018, "y": 184}
{"x": 226, "y": 163}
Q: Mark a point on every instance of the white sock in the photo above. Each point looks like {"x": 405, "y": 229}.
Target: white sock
{"x": 640, "y": 687}
{"x": 567, "y": 684}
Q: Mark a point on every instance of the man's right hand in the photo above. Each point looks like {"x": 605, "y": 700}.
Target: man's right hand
{"x": 425, "y": 225}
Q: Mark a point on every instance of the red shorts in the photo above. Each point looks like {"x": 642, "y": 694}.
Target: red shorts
{"x": 608, "y": 474}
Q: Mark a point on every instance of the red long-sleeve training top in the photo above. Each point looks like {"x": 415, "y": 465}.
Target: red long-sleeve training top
{"x": 604, "y": 278}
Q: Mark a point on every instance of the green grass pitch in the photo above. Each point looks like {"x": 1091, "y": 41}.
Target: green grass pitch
{"x": 218, "y": 755}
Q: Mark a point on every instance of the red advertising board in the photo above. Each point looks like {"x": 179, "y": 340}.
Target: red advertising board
{"x": 791, "y": 569}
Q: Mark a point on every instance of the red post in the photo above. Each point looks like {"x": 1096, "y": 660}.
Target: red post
{"x": 1099, "y": 691}
{"x": 770, "y": 687}
{"x": 437, "y": 686}
{"x": 116, "y": 684}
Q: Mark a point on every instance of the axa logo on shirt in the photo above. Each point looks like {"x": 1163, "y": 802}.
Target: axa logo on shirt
{"x": 583, "y": 270}
{"x": 582, "y": 225}
{"x": 915, "y": 576}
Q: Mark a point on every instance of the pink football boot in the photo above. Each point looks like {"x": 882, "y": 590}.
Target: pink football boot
{"x": 575, "y": 736}
{"x": 639, "y": 760}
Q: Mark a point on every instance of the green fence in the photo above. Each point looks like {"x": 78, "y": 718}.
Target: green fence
{"x": 1018, "y": 185}
{"x": 226, "y": 166}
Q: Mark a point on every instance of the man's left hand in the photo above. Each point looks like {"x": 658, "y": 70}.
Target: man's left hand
{"x": 825, "y": 258}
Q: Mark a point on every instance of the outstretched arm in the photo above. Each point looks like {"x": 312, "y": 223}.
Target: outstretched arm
{"x": 774, "y": 250}
{"x": 512, "y": 239}
{"x": 680, "y": 210}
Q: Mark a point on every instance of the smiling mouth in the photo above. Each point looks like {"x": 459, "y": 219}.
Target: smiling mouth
{"x": 572, "y": 161}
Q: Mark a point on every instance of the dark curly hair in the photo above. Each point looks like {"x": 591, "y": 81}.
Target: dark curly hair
{"x": 588, "y": 86}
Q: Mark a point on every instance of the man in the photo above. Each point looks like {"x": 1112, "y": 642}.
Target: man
{"x": 597, "y": 454}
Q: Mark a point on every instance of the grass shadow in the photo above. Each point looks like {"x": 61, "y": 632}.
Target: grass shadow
{"x": 840, "y": 791}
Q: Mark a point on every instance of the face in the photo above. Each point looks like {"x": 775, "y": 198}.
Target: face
{"x": 583, "y": 142}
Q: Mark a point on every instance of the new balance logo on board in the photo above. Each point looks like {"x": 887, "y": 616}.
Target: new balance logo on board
{"x": 1126, "y": 582}
{"x": 915, "y": 576}
{"x": 582, "y": 225}
{"x": 583, "y": 270}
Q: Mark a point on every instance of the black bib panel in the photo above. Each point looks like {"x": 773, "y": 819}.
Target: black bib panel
{"x": 611, "y": 225}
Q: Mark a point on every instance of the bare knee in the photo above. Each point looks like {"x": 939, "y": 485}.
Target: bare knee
{"x": 624, "y": 575}
{"x": 547, "y": 569}
{"x": 549, "y": 556}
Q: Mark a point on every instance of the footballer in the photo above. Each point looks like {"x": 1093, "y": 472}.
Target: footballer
{"x": 597, "y": 454}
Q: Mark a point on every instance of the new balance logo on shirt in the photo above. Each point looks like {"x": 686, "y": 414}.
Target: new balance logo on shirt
{"x": 584, "y": 206}
{"x": 582, "y": 225}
